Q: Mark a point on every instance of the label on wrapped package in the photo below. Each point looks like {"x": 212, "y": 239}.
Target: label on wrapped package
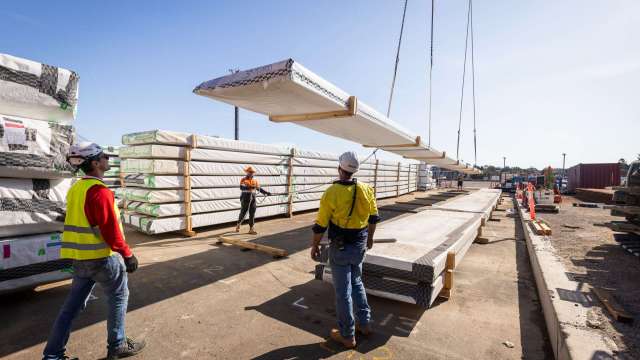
{"x": 24, "y": 136}
{"x": 15, "y": 135}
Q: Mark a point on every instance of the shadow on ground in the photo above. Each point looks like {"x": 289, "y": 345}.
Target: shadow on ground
{"x": 530, "y": 310}
{"x": 310, "y": 307}
{"x": 33, "y": 313}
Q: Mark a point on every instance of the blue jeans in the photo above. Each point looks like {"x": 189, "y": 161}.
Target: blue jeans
{"x": 111, "y": 274}
{"x": 346, "y": 271}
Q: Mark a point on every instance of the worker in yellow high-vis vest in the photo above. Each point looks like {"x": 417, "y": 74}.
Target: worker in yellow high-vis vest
{"x": 349, "y": 211}
{"x": 94, "y": 238}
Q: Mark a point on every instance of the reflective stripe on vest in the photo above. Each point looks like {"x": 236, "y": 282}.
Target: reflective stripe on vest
{"x": 70, "y": 245}
{"x": 83, "y": 230}
{"x": 80, "y": 240}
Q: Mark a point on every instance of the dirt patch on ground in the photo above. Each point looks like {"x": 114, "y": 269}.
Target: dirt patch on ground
{"x": 594, "y": 258}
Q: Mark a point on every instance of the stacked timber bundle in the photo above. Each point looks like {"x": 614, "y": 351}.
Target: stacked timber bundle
{"x": 112, "y": 177}
{"x": 415, "y": 258}
{"x": 177, "y": 181}
{"x": 37, "y": 109}
{"x": 425, "y": 177}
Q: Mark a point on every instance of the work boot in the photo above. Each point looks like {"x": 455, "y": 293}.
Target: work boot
{"x": 349, "y": 343}
{"x": 252, "y": 231}
{"x": 129, "y": 348}
{"x": 364, "y": 330}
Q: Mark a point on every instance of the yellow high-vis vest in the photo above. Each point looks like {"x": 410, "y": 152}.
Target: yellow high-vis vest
{"x": 80, "y": 240}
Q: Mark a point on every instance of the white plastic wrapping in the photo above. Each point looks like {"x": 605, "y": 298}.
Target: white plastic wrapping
{"x": 32, "y": 206}
{"x": 34, "y": 149}
{"x": 31, "y": 249}
{"x": 38, "y": 91}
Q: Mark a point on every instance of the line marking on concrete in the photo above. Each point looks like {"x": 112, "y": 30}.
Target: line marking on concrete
{"x": 215, "y": 268}
{"x": 410, "y": 323}
{"x": 403, "y": 330}
{"x": 227, "y": 282}
{"x": 386, "y": 320}
{"x": 297, "y": 303}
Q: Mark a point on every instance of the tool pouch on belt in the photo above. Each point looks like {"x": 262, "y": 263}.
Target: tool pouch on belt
{"x": 343, "y": 237}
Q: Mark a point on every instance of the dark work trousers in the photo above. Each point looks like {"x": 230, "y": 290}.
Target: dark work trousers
{"x": 248, "y": 203}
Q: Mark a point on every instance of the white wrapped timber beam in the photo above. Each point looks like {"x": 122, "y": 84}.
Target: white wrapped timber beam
{"x": 152, "y": 225}
{"x": 288, "y": 92}
{"x": 37, "y": 91}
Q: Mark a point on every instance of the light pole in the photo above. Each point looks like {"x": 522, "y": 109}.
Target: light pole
{"x": 236, "y": 112}
{"x": 504, "y": 165}
{"x": 237, "y": 125}
{"x": 563, "y": 158}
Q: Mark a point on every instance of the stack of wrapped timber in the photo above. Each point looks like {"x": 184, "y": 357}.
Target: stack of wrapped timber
{"x": 417, "y": 266}
{"x": 177, "y": 181}
{"x": 37, "y": 109}
{"x": 425, "y": 177}
{"x": 112, "y": 176}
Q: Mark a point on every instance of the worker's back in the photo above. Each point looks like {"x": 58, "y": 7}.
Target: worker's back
{"x": 336, "y": 204}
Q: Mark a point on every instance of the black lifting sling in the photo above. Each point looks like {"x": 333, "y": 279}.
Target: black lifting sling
{"x": 341, "y": 239}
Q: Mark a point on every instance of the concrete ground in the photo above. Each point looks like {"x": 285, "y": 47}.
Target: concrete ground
{"x": 593, "y": 257}
{"x": 194, "y": 299}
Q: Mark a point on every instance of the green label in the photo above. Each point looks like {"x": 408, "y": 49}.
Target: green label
{"x": 145, "y": 136}
{"x": 150, "y": 181}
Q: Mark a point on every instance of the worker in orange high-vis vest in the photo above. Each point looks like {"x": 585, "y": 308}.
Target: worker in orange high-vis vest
{"x": 93, "y": 237}
{"x": 248, "y": 187}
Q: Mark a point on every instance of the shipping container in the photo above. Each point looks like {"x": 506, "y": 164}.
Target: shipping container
{"x": 593, "y": 176}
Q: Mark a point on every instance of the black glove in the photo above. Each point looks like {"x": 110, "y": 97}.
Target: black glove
{"x": 268, "y": 193}
{"x": 131, "y": 263}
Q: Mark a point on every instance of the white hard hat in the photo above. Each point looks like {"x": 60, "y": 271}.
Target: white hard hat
{"x": 349, "y": 162}
{"x": 83, "y": 151}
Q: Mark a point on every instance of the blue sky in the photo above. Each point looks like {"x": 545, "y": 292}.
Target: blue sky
{"x": 551, "y": 76}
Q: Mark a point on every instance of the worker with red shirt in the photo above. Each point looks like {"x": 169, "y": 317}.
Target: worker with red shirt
{"x": 248, "y": 188}
{"x": 94, "y": 238}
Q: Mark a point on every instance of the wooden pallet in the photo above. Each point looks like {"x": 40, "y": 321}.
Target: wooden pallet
{"x": 625, "y": 209}
{"x": 632, "y": 246}
{"x": 610, "y": 303}
{"x": 552, "y": 208}
{"x": 540, "y": 228}
{"x": 634, "y": 190}
{"x": 622, "y": 226}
